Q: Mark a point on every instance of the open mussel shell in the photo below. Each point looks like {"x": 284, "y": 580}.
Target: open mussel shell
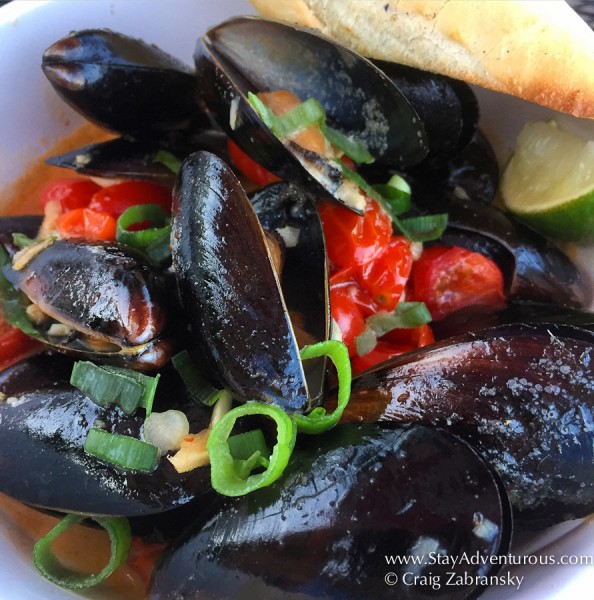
{"x": 347, "y": 501}
{"x": 95, "y": 300}
{"x": 520, "y": 390}
{"x": 248, "y": 54}
{"x": 43, "y": 427}
{"x": 229, "y": 289}
{"x": 121, "y": 83}
{"x": 138, "y": 159}
{"x": 290, "y": 212}
{"x": 120, "y": 157}
{"x": 533, "y": 268}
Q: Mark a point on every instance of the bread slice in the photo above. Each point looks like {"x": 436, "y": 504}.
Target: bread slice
{"x": 539, "y": 50}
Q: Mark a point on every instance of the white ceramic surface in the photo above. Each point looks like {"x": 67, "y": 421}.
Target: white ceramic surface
{"x": 33, "y": 119}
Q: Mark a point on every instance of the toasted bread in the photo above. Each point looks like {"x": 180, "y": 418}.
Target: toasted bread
{"x": 539, "y": 50}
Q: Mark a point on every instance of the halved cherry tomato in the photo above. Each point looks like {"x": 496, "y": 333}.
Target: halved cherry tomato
{"x": 115, "y": 199}
{"x": 352, "y": 239}
{"x": 344, "y": 280}
{"x": 15, "y": 345}
{"x": 143, "y": 556}
{"x": 86, "y": 224}
{"x": 448, "y": 278}
{"x": 348, "y": 317}
{"x": 386, "y": 276}
{"x": 69, "y": 193}
{"x": 382, "y": 351}
{"x": 416, "y": 337}
{"x": 249, "y": 167}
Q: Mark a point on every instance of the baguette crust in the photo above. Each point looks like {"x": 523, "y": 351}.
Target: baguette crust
{"x": 539, "y": 50}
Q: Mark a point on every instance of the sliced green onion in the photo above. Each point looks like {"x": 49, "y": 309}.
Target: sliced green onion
{"x": 148, "y": 383}
{"x": 52, "y": 569}
{"x": 121, "y": 450}
{"x": 153, "y": 242}
{"x": 249, "y": 451}
{"x": 243, "y": 445}
{"x": 354, "y": 149}
{"x": 197, "y": 385}
{"x": 366, "y": 341}
{"x": 396, "y": 195}
{"x": 368, "y": 189}
{"x": 310, "y": 112}
{"x": 230, "y": 478}
{"x": 106, "y": 386}
{"x": 14, "y": 303}
{"x": 406, "y": 315}
{"x": 22, "y": 241}
{"x": 168, "y": 160}
{"x": 423, "y": 229}
{"x": 318, "y": 421}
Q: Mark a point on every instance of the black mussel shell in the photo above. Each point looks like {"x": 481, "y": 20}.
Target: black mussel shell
{"x": 112, "y": 303}
{"x": 290, "y": 211}
{"x": 447, "y": 107}
{"x": 138, "y": 159}
{"x": 43, "y": 463}
{"x": 120, "y": 157}
{"x": 228, "y": 287}
{"x": 520, "y": 390}
{"x": 347, "y": 501}
{"x": 533, "y": 268}
{"x": 248, "y": 54}
{"x": 121, "y": 83}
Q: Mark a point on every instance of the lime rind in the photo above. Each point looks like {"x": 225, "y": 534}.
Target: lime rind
{"x": 549, "y": 182}
{"x": 549, "y": 167}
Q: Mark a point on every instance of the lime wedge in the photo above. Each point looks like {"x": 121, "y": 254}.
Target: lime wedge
{"x": 549, "y": 182}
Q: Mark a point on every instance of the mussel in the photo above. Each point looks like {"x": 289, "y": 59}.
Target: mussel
{"x": 359, "y": 99}
{"x": 339, "y": 524}
{"x": 534, "y": 269}
{"x": 519, "y": 390}
{"x": 43, "y": 426}
{"x": 121, "y": 83}
{"x": 96, "y": 300}
{"x": 229, "y": 288}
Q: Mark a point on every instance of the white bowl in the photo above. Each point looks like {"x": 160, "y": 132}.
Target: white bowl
{"x": 33, "y": 119}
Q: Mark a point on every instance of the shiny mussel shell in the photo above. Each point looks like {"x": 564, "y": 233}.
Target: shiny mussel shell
{"x": 110, "y": 302}
{"x": 43, "y": 427}
{"x": 354, "y": 497}
{"x": 521, "y": 392}
{"x": 289, "y": 212}
{"x": 121, "y": 83}
{"x": 229, "y": 289}
{"x": 254, "y": 55}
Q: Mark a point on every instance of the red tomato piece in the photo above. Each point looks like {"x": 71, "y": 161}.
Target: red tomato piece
{"x": 249, "y": 167}
{"x": 353, "y": 240}
{"x": 69, "y": 193}
{"x": 115, "y": 199}
{"x": 383, "y": 351}
{"x": 348, "y": 317}
{"x": 448, "y": 278}
{"x": 344, "y": 280}
{"x": 15, "y": 345}
{"x": 86, "y": 224}
{"x": 416, "y": 337}
{"x": 386, "y": 276}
